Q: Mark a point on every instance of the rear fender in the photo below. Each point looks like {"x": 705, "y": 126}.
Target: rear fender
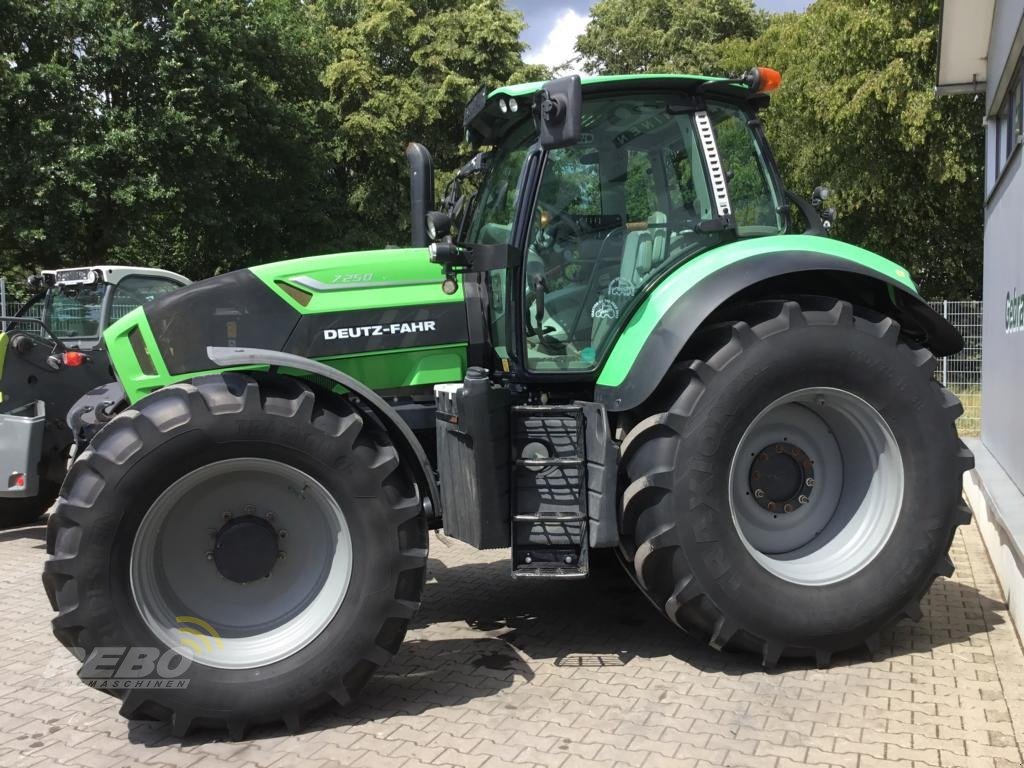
{"x": 790, "y": 265}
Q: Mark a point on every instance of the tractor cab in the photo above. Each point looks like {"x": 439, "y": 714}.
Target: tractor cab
{"x": 635, "y": 179}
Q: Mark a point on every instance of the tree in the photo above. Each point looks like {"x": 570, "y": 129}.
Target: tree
{"x": 404, "y": 70}
{"x": 857, "y": 111}
{"x": 206, "y": 135}
{"x": 183, "y": 134}
{"x": 664, "y": 35}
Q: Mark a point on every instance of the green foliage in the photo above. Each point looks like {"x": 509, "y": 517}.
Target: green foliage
{"x": 664, "y": 35}
{"x": 857, "y": 111}
{"x": 204, "y": 135}
{"x": 403, "y": 70}
{"x": 183, "y": 134}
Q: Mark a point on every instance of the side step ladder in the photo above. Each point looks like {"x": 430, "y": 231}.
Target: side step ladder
{"x": 549, "y": 498}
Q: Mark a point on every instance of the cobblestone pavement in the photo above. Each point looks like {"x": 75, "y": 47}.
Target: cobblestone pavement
{"x": 496, "y": 672}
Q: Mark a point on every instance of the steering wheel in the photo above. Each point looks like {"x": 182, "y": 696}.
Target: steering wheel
{"x": 561, "y": 229}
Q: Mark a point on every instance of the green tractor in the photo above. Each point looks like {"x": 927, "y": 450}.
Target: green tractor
{"x": 609, "y": 336}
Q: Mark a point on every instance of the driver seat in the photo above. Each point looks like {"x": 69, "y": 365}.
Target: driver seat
{"x": 644, "y": 250}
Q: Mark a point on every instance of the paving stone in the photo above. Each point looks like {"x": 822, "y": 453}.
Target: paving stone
{"x": 596, "y": 679}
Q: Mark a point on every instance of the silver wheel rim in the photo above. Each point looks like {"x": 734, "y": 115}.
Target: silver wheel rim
{"x": 189, "y": 604}
{"x": 837, "y": 523}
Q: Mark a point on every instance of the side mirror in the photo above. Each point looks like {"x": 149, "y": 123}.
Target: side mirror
{"x": 439, "y": 226}
{"x": 820, "y": 195}
{"x": 558, "y": 109}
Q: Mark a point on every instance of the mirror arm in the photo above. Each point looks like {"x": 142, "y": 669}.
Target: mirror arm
{"x": 814, "y": 222}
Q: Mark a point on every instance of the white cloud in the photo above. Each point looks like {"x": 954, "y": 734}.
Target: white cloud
{"x": 559, "y": 49}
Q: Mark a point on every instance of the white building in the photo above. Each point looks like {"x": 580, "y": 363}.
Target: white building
{"x": 980, "y": 51}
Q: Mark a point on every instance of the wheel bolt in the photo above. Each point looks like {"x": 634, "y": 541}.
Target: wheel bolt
{"x": 788, "y": 508}
{"x": 282, "y": 555}
{"x": 283, "y": 534}
{"x": 809, "y": 482}
{"x": 803, "y": 499}
{"x": 758, "y": 493}
{"x": 249, "y": 509}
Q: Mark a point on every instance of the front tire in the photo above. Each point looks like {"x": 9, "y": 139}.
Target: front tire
{"x": 264, "y": 527}
{"x": 797, "y": 486}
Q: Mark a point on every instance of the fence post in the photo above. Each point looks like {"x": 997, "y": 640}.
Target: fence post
{"x": 3, "y": 301}
{"x": 945, "y": 358}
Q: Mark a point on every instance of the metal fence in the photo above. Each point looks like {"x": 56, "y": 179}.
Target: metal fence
{"x": 961, "y": 372}
{"x": 68, "y": 325}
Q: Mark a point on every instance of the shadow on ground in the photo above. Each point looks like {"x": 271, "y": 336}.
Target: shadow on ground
{"x": 511, "y": 626}
{"x": 35, "y": 531}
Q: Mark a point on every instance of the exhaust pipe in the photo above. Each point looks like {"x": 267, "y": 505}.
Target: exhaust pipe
{"x": 421, "y": 191}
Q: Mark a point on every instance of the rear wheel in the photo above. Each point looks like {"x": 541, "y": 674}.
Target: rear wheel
{"x": 263, "y": 529}
{"x": 797, "y": 488}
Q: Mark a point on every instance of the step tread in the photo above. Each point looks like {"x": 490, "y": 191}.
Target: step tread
{"x": 559, "y": 518}
{"x": 549, "y": 571}
{"x": 574, "y": 409}
{"x": 563, "y": 461}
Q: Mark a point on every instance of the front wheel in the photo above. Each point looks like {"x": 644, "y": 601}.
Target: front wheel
{"x": 260, "y": 538}
{"x": 797, "y": 489}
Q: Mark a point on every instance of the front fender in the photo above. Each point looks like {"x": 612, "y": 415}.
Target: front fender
{"x": 405, "y": 441}
{"x": 660, "y": 327}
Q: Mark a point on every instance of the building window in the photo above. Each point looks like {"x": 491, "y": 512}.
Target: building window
{"x": 1008, "y": 133}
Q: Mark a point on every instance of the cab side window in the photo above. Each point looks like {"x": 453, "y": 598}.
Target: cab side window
{"x": 753, "y": 201}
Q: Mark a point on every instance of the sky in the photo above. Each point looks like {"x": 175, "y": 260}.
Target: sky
{"x": 552, "y": 28}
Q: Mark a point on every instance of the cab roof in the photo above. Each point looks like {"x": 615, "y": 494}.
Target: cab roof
{"x": 590, "y": 81}
{"x": 111, "y": 273}
{"x": 487, "y": 121}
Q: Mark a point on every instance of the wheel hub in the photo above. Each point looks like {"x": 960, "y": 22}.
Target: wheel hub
{"x": 245, "y": 549}
{"x": 781, "y": 478}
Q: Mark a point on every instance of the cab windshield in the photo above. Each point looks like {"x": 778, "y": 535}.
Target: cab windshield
{"x": 494, "y": 209}
{"x": 74, "y": 311}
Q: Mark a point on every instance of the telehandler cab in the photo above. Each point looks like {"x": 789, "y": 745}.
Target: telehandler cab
{"x": 616, "y": 341}
{"x": 51, "y": 353}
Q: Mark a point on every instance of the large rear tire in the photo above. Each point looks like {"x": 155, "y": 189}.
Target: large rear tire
{"x": 795, "y": 487}
{"x": 264, "y": 527}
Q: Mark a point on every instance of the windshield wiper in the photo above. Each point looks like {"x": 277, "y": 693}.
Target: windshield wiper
{"x": 453, "y": 197}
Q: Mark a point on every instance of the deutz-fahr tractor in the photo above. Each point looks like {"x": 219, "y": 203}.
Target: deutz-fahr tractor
{"x": 51, "y": 353}
{"x": 613, "y": 333}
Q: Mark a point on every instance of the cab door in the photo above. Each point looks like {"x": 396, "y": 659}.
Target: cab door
{"x": 612, "y": 213}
